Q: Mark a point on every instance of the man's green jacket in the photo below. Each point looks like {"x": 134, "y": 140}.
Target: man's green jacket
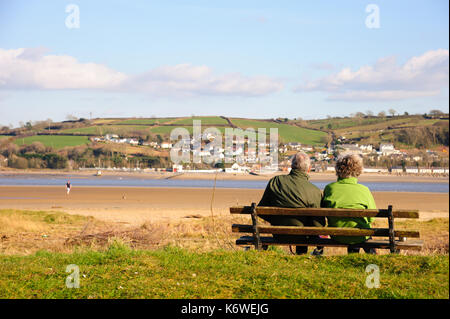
{"x": 347, "y": 193}
{"x": 291, "y": 191}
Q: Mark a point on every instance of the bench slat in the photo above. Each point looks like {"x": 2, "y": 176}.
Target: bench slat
{"x": 330, "y": 212}
{"x": 332, "y": 231}
{"x": 382, "y": 244}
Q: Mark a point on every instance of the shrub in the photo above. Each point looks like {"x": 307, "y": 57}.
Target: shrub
{"x": 17, "y": 162}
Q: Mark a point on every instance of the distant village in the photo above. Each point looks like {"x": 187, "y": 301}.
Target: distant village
{"x": 382, "y": 159}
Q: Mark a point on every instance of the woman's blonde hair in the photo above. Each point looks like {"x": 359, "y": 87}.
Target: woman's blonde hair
{"x": 350, "y": 165}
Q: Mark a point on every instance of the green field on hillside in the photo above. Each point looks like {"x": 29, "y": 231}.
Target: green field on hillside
{"x": 105, "y": 129}
{"x": 206, "y": 120}
{"x": 167, "y": 129}
{"x": 146, "y": 121}
{"x": 313, "y": 132}
{"x": 372, "y": 123}
{"x": 54, "y": 141}
{"x": 343, "y": 123}
{"x": 120, "y": 272}
{"x": 288, "y": 133}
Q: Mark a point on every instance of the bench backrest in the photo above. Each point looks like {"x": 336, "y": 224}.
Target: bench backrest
{"x": 389, "y": 213}
{"x": 331, "y": 212}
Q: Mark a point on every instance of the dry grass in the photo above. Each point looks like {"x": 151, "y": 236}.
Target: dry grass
{"x": 24, "y": 232}
{"x": 10, "y": 224}
{"x": 195, "y": 233}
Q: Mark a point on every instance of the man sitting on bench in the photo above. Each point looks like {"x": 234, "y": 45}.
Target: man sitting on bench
{"x": 294, "y": 191}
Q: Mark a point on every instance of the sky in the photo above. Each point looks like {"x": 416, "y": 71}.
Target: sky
{"x": 253, "y": 58}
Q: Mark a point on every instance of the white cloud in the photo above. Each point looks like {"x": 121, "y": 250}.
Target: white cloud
{"x": 421, "y": 76}
{"x": 24, "y": 69}
{"x": 200, "y": 80}
{"x": 31, "y": 69}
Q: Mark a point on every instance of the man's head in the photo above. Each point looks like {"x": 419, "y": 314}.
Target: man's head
{"x": 350, "y": 165}
{"x": 301, "y": 162}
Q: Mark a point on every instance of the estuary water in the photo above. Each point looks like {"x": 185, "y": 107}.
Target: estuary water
{"x": 115, "y": 181}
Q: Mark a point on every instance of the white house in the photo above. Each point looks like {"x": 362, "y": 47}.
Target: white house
{"x": 111, "y": 136}
{"x": 177, "y": 168}
{"x": 366, "y": 148}
{"x": 412, "y": 170}
{"x": 236, "y": 168}
{"x": 349, "y": 149}
{"x": 386, "y": 148}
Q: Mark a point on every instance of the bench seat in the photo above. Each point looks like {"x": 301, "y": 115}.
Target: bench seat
{"x": 371, "y": 243}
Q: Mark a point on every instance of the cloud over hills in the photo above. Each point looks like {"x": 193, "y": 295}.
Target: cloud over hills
{"x": 420, "y": 76}
{"x": 30, "y": 68}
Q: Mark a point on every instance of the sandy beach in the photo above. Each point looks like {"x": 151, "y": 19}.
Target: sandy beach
{"x": 134, "y": 206}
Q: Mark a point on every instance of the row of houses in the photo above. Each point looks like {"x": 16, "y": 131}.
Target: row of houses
{"x": 114, "y": 138}
{"x": 385, "y": 149}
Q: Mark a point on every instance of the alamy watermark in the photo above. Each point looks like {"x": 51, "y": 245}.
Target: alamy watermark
{"x": 236, "y": 146}
{"x": 73, "y": 280}
{"x": 373, "y": 19}
{"x": 73, "y": 19}
{"x": 373, "y": 279}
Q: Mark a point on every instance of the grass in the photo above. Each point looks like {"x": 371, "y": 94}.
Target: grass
{"x": 54, "y": 141}
{"x": 206, "y": 120}
{"x": 25, "y": 231}
{"x": 288, "y": 133}
{"x": 104, "y": 129}
{"x": 343, "y": 123}
{"x": 13, "y": 221}
{"x": 167, "y": 129}
{"x": 120, "y": 272}
{"x": 196, "y": 258}
{"x": 145, "y": 121}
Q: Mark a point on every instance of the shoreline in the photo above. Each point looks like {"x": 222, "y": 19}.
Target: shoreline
{"x": 187, "y": 188}
{"x": 322, "y": 176}
{"x": 136, "y": 205}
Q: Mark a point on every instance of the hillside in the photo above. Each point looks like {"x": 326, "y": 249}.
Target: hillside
{"x": 406, "y": 131}
{"x": 72, "y": 143}
{"x": 145, "y": 127}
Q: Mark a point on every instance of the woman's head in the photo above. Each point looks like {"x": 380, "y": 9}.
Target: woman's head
{"x": 349, "y": 166}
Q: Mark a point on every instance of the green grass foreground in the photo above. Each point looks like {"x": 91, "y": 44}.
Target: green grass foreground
{"x": 120, "y": 272}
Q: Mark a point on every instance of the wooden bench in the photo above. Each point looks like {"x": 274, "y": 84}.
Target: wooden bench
{"x": 396, "y": 239}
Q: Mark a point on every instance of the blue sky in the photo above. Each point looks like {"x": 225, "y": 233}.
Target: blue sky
{"x": 258, "y": 59}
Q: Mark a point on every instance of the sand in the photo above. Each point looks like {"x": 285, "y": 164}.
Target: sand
{"x": 134, "y": 206}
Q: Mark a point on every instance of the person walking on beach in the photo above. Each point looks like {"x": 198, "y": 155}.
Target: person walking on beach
{"x": 68, "y": 187}
{"x": 294, "y": 191}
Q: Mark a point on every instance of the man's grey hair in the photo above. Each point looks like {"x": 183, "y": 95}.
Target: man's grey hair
{"x": 301, "y": 162}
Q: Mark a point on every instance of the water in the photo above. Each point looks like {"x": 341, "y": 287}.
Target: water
{"x": 113, "y": 181}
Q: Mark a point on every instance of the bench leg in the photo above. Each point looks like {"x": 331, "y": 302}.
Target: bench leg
{"x": 301, "y": 250}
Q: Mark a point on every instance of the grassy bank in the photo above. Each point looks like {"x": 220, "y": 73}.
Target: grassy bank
{"x": 120, "y": 272}
{"x": 197, "y": 259}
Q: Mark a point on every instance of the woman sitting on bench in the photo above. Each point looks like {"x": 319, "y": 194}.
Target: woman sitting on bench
{"x": 347, "y": 193}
